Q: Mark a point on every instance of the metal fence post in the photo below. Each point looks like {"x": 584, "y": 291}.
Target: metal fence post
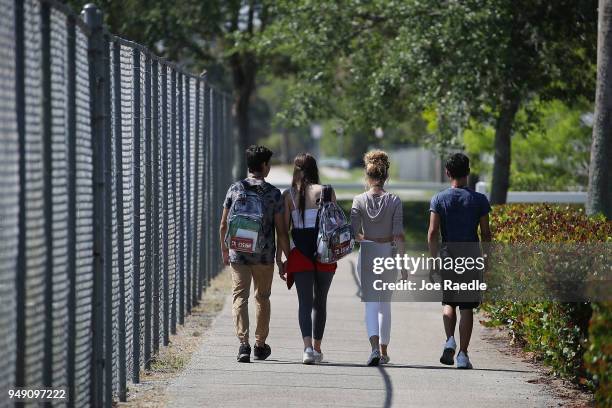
{"x": 174, "y": 158}
{"x": 148, "y": 220}
{"x": 93, "y": 18}
{"x": 45, "y": 25}
{"x": 155, "y": 180}
{"x": 197, "y": 258}
{"x": 72, "y": 210}
{"x": 136, "y": 226}
{"x": 21, "y": 261}
{"x": 180, "y": 200}
{"x": 120, "y": 227}
{"x": 208, "y": 161}
{"x": 188, "y": 203}
{"x": 165, "y": 209}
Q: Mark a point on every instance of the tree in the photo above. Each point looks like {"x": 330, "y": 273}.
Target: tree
{"x": 479, "y": 59}
{"x": 550, "y": 148}
{"x": 220, "y": 36}
{"x": 600, "y": 170}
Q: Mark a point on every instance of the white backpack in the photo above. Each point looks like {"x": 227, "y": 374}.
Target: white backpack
{"x": 335, "y": 235}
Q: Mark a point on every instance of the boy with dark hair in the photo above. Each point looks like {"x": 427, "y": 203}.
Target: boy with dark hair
{"x": 457, "y": 213}
{"x": 255, "y": 265}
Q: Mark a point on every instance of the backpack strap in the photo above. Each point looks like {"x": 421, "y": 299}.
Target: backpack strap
{"x": 259, "y": 189}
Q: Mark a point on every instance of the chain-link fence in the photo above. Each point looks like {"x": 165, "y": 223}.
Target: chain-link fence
{"x": 113, "y": 163}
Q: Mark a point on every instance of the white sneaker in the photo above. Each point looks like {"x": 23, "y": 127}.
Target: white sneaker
{"x": 318, "y": 357}
{"x": 463, "y": 361}
{"x": 448, "y": 353}
{"x": 308, "y": 357}
{"x": 385, "y": 359}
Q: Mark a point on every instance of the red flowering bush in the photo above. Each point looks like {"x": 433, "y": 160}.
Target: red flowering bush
{"x": 574, "y": 339}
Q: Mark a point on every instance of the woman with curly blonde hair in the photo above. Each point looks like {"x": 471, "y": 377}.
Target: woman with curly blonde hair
{"x": 376, "y": 217}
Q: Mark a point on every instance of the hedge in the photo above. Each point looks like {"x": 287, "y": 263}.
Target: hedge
{"x": 574, "y": 339}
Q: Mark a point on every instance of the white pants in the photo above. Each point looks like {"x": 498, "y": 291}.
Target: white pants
{"x": 377, "y": 314}
{"x": 378, "y": 320}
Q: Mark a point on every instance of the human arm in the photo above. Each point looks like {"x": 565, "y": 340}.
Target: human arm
{"x": 282, "y": 233}
{"x": 433, "y": 234}
{"x": 356, "y": 221}
{"x": 286, "y": 224}
{"x": 398, "y": 232}
{"x": 485, "y": 236}
{"x": 222, "y": 233}
{"x": 282, "y": 243}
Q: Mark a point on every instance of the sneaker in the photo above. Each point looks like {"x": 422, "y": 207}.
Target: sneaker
{"x": 308, "y": 357}
{"x": 244, "y": 353}
{"x": 384, "y": 359}
{"x": 449, "y": 351}
{"x": 374, "y": 358}
{"x": 463, "y": 361}
{"x": 261, "y": 353}
{"x": 318, "y": 356}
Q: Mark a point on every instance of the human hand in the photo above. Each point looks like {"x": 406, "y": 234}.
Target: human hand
{"x": 282, "y": 272}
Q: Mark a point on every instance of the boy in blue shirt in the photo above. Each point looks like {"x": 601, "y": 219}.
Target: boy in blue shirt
{"x": 457, "y": 214}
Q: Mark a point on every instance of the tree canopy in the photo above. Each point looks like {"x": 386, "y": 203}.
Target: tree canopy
{"x": 372, "y": 63}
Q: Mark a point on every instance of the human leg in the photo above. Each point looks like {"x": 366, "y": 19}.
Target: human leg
{"x": 304, "y": 282}
{"x": 322, "y": 283}
{"x": 262, "y": 281}
{"x": 465, "y": 328}
{"x": 241, "y": 286}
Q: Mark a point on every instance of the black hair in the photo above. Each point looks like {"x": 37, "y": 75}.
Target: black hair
{"x": 256, "y": 157}
{"x": 458, "y": 165}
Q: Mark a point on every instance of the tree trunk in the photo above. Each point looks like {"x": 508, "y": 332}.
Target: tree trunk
{"x": 244, "y": 70}
{"x": 502, "y": 156}
{"x": 600, "y": 169}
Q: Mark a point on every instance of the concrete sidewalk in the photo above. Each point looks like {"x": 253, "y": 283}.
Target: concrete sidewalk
{"x": 415, "y": 378}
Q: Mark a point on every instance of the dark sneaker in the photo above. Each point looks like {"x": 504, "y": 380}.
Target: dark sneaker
{"x": 261, "y": 353}
{"x": 449, "y": 351}
{"x": 244, "y": 353}
{"x": 448, "y": 356}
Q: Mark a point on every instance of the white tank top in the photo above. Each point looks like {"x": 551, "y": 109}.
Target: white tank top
{"x": 310, "y": 215}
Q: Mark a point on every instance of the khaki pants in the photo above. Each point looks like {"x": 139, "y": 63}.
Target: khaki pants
{"x": 241, "y": 286}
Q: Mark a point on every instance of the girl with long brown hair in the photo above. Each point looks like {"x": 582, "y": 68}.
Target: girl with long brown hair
{"x": 312, "y": 278}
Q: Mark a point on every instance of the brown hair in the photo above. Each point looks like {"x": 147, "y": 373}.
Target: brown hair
{"x": 376, "y": 165}
{"x": 305, "y": 173}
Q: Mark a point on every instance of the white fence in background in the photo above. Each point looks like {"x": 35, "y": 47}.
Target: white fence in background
{"x": 562, "y": 197}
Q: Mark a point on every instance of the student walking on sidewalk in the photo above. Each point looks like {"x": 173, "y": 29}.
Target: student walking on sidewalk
{"x": 457, "y": 213}
{"x": 312, "y": 278}
{"x": 252, "y": 212}
{"x": 376, "y": 217}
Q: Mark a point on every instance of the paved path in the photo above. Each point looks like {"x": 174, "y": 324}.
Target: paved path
{"x": 414, "y": 379}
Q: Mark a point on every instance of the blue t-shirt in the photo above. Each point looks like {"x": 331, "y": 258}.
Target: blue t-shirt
{"x": 460, "y": 210}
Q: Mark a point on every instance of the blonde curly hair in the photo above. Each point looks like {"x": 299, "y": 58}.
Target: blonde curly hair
{"x": 376, "y": 166}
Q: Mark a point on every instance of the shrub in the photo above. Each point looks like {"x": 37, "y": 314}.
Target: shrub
{"x": 558, "y": 333}
{"x": 598, "y": 358}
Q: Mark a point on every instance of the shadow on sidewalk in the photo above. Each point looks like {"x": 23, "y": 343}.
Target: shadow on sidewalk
{"x": 381, "y": 370}
{"x": 392, "y": 366}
